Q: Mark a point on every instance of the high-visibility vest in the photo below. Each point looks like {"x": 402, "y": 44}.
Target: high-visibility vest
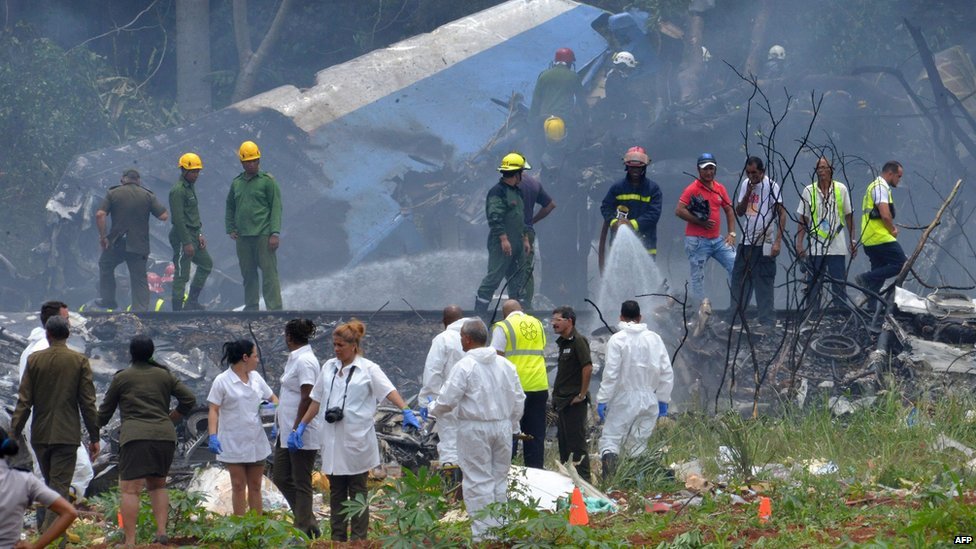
{"x": 873, "y": 230}
{"x": 525, "y": 342}
{"x": 830, "y": 232}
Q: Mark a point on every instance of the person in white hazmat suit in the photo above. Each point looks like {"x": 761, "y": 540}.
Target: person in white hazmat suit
{"x": 37, "y": 341}
{"x": 635, "y": 389}
{"x": 445, "y": 351}
{"x": 486, "y": 393}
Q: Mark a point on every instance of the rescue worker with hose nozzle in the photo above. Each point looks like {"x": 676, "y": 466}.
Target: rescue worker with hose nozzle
{"x": 635, "y": 200}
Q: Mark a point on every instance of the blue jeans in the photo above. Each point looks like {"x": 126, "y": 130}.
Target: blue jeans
{"x": 886, "y": 261}
{"x": 699, "y": 249}
{"x": 818, "y": 268}
{"x": 753, "y": 271}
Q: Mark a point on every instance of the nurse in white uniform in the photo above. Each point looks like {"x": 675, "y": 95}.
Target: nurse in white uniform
{"x": 349, "y": 389}
{"x": 236, "y": 433}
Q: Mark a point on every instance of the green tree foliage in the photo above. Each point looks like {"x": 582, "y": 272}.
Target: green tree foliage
{"x": 56, "y": 105}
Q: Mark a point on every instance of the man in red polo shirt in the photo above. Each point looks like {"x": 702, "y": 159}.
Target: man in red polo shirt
{"x": 700, "y": 205}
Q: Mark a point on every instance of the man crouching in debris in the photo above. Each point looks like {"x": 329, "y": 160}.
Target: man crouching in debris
{"x": 635, "y": 389}
{"x": 485, "y": 390}
{"x": 129, "y": 204}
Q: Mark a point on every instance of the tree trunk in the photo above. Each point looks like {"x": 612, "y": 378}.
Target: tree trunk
{"x": 251, "y": 63}
{"x": 758, "y": 44}
{"x": 193, "y": 84}
{"x": 689, "y": 78}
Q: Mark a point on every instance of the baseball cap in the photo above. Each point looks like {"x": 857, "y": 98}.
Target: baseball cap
{"x": 706, "y": 159}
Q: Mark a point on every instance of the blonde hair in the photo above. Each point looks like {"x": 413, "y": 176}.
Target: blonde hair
{"x": 351, "y": 332}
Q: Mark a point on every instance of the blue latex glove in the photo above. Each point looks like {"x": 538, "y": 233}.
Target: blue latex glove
{"x": 662, "y": 409}
{"x": 410, "y": 419}
{"x": 214, "y": 445}
{"x": 425, "y": 411}
{"x": 601, "y": 410}
{"x": 274, "y": 433}
{"x": 295, "y": 441}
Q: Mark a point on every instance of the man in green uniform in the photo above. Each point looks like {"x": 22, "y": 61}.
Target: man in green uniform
{"x": 129, "y": 204}
{"x": 189, "y": 244}
{"x": 506, "y": 230}
{"x": 558, "y": 92}
{"x": 253, "y": 220}
{"x": 56, "y": 385}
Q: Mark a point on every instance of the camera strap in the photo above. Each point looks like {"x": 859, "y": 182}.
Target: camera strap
{"x": 345, "y": 391}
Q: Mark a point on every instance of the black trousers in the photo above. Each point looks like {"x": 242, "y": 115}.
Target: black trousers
{"x": 342, "y": 488}
{"x": 533, "y": 423}
{"x": 571, "y": 435}
{"x": 293, "y": 476}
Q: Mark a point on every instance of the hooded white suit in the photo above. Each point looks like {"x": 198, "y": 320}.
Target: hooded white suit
{"x": 485, "y": 393}
{"x": 636, "y": 377}
{"x": 445, "y": 351}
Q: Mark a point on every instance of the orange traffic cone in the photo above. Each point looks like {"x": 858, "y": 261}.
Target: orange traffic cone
{"x": 765, "y": 509}
{"x": 577, "y": 509}
{"x": 120, "y": 519}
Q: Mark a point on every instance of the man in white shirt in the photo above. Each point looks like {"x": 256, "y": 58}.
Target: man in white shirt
{"x": 445, "y": 351}
{"x": 37, "y": 341}
{"x": 824, "y": 211}
{"x": 759, "y": 201}
{"x": 484, "y": 391}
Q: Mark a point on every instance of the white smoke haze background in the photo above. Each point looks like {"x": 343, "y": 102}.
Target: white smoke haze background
{"x": 629, "y": 271}
{"x": 425, "y": 281}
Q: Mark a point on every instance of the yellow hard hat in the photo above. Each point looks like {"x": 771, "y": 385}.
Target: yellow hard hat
{"x": 191, "y": 161}
{"x": 249, "y": 151}
{"x": 513, "y": 162}
{"x": 555, "y": 129}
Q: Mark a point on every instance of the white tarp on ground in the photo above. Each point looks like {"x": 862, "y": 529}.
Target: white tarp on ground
{"x": 545, "y": 486}
{"x": 213, "y": 482}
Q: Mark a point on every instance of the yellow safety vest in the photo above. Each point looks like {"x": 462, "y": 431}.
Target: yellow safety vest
{"x": 818, "y": 226}
{"x": 873, "y": 231}
{"x": 525, "y": 342}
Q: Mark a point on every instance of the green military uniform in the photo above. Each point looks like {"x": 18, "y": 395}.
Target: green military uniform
{"x": 505, "y": 212}
{"x": 129, "y": 206}
{"x": 56, "y": 385}
{"x": 145, "y": 408}
{"x": 254, "y": 213}
{"x": 185, "y": 214}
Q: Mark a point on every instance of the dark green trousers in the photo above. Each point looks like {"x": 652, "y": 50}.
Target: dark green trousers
{"x": 512, "y": 268}
{"x": 136, "y": 263}
{"x": 201, "y": 258}
{"x": 57, "y": 465}
{"x": 253, "y": 254}
{"x": 293, "y": 476}
{"x": 342, "y": 488}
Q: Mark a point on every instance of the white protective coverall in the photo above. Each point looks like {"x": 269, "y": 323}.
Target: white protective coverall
{"x": 485, "y": 393}
{"x": 636, "y": 377}
{"x": 84, "y": 473}
{"x": 445, "y": 351}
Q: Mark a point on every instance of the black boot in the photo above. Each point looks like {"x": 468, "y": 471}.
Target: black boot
{"x": 177, "y": 303}
{"x": 609, "y": 460}
{"x": 481, "y": 308}
{"x": 193, "y": 300}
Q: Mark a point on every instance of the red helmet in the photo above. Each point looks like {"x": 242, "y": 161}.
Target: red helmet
{"x": 565, "y": 55}
{"x": 636, "y": 156}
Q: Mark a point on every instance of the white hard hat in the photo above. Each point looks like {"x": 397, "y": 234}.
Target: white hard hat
{"x": 777, "y": 52}
{"x": 624, "y": 58}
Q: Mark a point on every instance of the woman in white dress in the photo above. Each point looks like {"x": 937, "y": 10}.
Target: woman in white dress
{"x": 236, "y": 433}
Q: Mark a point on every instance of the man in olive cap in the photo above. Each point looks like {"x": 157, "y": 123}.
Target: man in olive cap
{"x": 129, "y": 204}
